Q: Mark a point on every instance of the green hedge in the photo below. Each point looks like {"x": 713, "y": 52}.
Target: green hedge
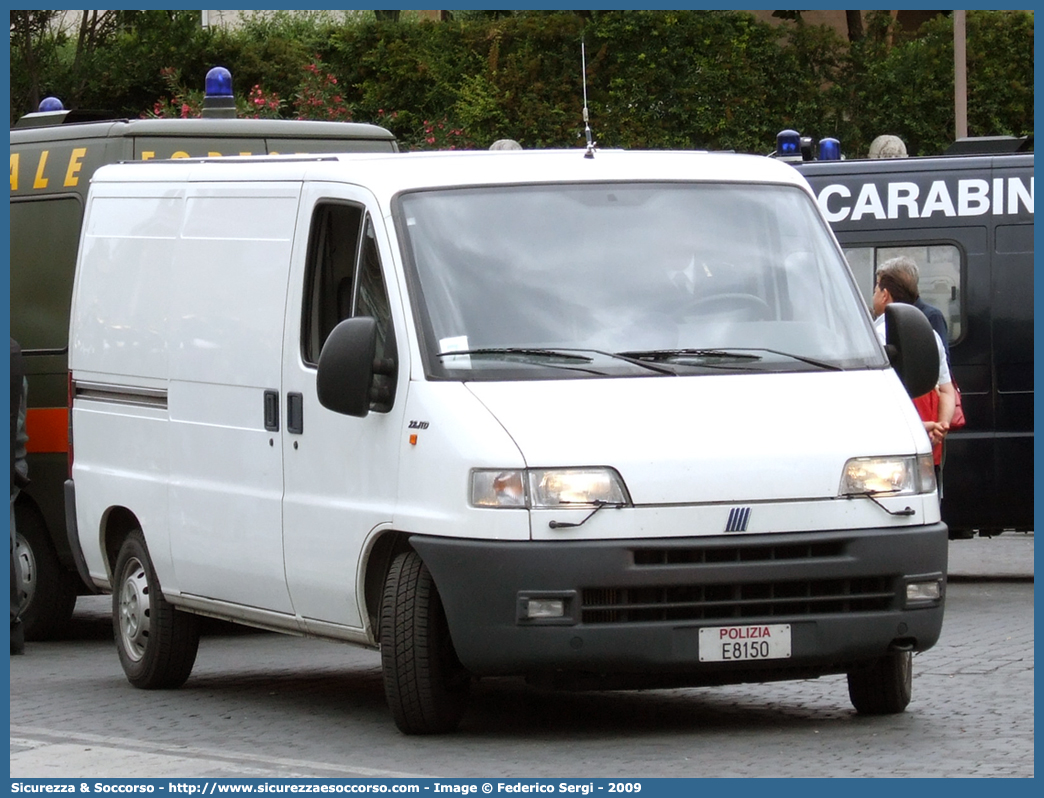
{"x": 655, "y": 79}
{"x": 908, "y": 89}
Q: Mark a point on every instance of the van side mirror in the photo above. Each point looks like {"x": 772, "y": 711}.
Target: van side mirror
{"x": 349, "y": 378}
{"x": 911, "y": 348}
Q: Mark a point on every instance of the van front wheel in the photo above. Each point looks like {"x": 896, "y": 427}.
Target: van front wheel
{"x": 884, "y": 687}
{"x": 157, "y": 644}
{"x": 424, "y": 682}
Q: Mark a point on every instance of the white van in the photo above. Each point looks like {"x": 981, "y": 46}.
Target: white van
{"x": 601, "y": 420}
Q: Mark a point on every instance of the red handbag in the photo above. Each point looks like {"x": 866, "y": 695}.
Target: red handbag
{"x": 928, "y": 409}
{"x": 958, "y": 419}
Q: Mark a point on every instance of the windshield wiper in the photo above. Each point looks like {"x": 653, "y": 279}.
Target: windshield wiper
{"x": 520, "y": 350}
{"x": 550, "y": 358}
{"x": 564, "y": 354}
{"x": 805, "y": 359}
{"x": 627, "y": 358}
{"x": 738, "y": 353}
{"x": 657, "y": 355}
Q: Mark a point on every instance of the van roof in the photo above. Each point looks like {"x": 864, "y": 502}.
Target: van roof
{"x": 389, "y": 174}
{"x": 202, "y": 128}
{"x": 932, "y": 163}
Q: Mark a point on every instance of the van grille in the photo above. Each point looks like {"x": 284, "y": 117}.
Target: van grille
{"x": 726, "y": 554}
{"x": 753, "y": 600}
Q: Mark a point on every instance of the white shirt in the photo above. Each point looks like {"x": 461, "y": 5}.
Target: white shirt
{"x": 944, "y": 369}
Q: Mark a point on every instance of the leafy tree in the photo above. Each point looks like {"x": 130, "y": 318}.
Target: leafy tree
{"x": 854, "y": 20}
{"x": 907, "y": 89}
{"x": 697, "y": 79}
{"x": 655, "y": 79}
{"x": 34, "y": 55}
{"x": 104, "y": 61}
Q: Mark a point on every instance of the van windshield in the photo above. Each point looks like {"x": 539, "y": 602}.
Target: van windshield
{"x": 546, "y": 281}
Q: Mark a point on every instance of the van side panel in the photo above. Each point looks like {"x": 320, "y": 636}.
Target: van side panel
{"x": 57, "y": 162}
{"x": 127, "y": 227}
{"x": 228, "y": 298}
{"x": 120, "y": 355}
{"x": 171, "y": 380}
{"x": 1013, "y": 361}
{"x": 51, "y": 167}
{"x": 41, "y": 287}
{"x": 158, "y": 148}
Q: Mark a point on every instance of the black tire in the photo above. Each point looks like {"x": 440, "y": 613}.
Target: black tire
{"x": 884, "y": 687}
{"x": 156, "y": 643}
{"x": 424, "y": 682}
{"x": 50, "y": 590}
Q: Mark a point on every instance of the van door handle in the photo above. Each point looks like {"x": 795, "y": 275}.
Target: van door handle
{"x": 272, "y": 411}
{"x": 295, "y": 413}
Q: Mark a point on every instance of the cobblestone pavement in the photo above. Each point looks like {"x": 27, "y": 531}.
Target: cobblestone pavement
{"x": 267, "y": 705}
{"x": 1007, "y": 556}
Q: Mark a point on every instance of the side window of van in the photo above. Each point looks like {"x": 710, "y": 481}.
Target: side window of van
{"x": 940, "y": 271}
{"x": 343, "y": 277}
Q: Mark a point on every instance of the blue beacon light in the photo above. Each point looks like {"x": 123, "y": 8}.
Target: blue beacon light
{"x": 829, "y": 149}
{"x": 219, "y": 82}
{"x": 218, "y": 102}
{"x": 788, "y": 144}
{"x": 50, "y": 104}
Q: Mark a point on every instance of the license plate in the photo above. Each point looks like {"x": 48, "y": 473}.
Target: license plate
{"x": 741, "y": 643}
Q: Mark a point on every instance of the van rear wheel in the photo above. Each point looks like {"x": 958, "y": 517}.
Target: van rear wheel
{"x": 49, "y": 591}
{"x": 156, "y": 643}
{"x": 424, "y": 682}
{"x": 884, "y": 687}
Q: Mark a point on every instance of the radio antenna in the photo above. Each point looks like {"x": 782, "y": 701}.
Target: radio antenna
{"x": 587, "y": 127}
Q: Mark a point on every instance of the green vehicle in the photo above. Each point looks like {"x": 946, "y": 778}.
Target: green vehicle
{"x": 54, "y": 152}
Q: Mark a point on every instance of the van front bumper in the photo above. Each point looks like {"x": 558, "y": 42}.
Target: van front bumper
{"x": 635, "y": 607}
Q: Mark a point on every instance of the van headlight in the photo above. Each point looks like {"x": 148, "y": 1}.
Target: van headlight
{"x": 498, "y": 488}
{"x": 893, "y": 476}
{"x": 544, "y": 488}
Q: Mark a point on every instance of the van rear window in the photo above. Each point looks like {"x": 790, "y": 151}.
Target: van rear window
{"x": 44, "y": 237}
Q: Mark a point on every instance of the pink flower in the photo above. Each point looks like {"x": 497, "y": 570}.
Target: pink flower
{"x": 185, "y": 110}
{"x": 431, "y": 140}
